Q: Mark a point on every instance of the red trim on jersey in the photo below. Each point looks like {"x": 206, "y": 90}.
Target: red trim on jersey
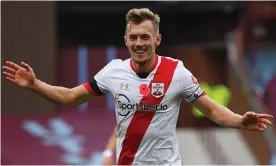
{"x": 153, "y": 67}
{"x": 203, "y": 94}
{"x": 142, "y": 119}
{"x": 89, "y": 88}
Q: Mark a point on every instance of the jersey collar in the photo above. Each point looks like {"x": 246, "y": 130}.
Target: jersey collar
{"x": 153, "y": 67}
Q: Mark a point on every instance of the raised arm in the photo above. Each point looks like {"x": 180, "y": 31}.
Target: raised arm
{"x": 23, "y": 76}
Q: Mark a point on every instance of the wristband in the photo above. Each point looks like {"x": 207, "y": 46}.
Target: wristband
{"x": 107, "y": 153}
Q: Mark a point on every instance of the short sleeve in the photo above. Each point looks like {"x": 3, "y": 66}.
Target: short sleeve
{"x": 99, "y": 84}
{"x": 101, "y": 78}
{"x": 188, "y": 86}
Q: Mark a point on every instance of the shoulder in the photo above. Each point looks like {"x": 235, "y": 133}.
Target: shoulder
{"x": 127, "y": 61}
{"x": 181, "y": 72}
{"x": 173, "y": 60}
{"x": 113, "y": 64}
{"x": 180, "y": 65}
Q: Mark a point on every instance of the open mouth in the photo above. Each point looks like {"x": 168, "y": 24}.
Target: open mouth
{"x": 139, "y": 51}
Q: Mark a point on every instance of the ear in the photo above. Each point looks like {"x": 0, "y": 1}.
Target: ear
{"x": 158, "y": 40}
{"x": 126, "y": 31}
{"x": 125, "y": 38}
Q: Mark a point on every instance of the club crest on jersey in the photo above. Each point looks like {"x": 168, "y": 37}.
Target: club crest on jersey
{"x": 157, "y": 89}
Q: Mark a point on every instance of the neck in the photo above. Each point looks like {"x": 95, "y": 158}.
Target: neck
{"x": 145, "y": 67}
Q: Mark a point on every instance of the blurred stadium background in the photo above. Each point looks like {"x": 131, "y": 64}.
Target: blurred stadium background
{"x": 229, "y": 46}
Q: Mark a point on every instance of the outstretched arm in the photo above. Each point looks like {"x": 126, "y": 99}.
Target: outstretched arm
{"x": 61, "y": 95}
{"x": 23, "y": 76}
{"x": 225, "y": 117}
{"x": 192, "y": 93}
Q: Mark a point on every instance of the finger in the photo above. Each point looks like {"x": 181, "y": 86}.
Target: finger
{"x": 261, "y": 129}
{"x": 26, "y": 66}
{"x": 9, "y": 75}
{"x": 8, "y": 69}
{"x": 251, "y": 114}
{"x": 265, "y": 116}
{"x": 12, "y": 65}
{"x": 265, "y": 121}
{"x": 11, "y": 80}
{"x": 262, "y": 125}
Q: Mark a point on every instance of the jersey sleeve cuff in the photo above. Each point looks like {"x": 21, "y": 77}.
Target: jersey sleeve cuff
{"x": 93, "y": 88}
{"x": 88, "y": 88}
{"x": 195, "y": 95}
{"x": 202, "y": 94}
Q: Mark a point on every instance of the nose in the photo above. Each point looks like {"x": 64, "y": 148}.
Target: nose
{"x": 139, "y": 42}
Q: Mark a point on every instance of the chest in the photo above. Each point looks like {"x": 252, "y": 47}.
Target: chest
{"x": 133, "y": 90}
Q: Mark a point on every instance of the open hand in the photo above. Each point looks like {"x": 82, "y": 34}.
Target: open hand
{"x": 256, "y": 122}
{"x": 22, "y": 76}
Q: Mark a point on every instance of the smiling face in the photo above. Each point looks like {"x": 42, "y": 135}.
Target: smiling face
{"x": 142, "y": 36}
{"x": 142, "y": 40}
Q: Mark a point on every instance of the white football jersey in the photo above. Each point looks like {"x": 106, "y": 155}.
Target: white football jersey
{"x": 147, "y": 108}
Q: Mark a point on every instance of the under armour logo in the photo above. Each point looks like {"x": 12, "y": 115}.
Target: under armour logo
{"x": 123, "y": 86}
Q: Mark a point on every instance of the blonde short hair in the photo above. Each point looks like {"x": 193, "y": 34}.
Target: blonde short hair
{"x": 137, "y": 16}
